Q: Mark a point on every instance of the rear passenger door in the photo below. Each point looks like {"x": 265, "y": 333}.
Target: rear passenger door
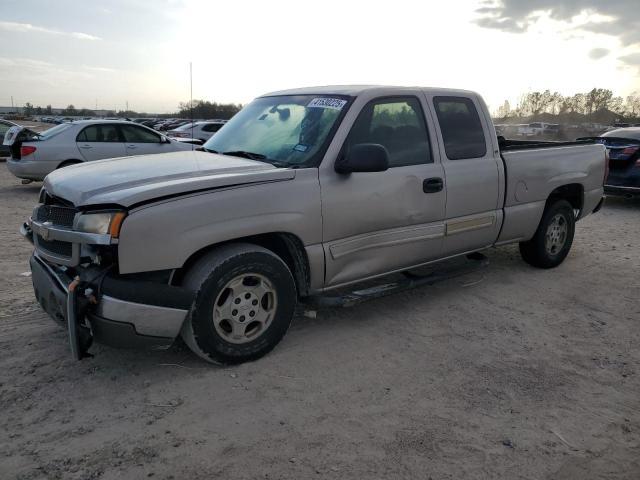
{"x": 472, "y": 169}
{"x": 96, "y": 142}
{"x": 142, "y": 141}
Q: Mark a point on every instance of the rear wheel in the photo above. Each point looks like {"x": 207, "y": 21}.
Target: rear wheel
{"x": 553, "y": 239}
{"x": 68, "y": 163}
{"x": 245, "y": 300}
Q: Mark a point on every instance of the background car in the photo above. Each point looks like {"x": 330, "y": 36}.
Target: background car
{"x": 199, "y": 130}
{"x": 84, "y": 141}
{"x": 623, "y": 145}
{"x": 5, "y": 125}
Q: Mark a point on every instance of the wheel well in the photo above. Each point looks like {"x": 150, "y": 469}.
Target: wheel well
{"x": 285, "y": 245}
{"x": 573, "y": 193}
{"x": 68, "y": 162}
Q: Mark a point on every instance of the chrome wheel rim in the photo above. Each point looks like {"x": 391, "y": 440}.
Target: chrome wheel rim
{"x": 245, "y": 308}
{"x": 556, "y": 234}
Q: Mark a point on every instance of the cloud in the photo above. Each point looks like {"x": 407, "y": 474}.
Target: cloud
{"x": 598, "y": 53}
{"x": 632, "y": 59}
{"x": 618, "y": 18}
{"x": 29, "y": 28}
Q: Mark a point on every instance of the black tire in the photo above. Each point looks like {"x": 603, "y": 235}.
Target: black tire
{"x": 209, "y": 278}
{"x": 536, "y": 252}
{"x": 68, "y": 163}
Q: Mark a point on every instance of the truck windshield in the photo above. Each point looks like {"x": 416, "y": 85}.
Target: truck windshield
{"x": 289, "y": 130}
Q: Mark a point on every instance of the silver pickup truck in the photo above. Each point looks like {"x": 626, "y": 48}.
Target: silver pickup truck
{"x": 302, "y": 192}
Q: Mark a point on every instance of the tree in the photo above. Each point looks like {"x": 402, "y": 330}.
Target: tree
{"x": 206, "y": 109}
{"x": 48, "y": 110}
{"x": 70, "y": 111}
{"x": 28, "y": 109}
{"x": 38, "y": 110}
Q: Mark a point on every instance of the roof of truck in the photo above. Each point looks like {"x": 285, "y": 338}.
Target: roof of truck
{"x": 355, "y": 90}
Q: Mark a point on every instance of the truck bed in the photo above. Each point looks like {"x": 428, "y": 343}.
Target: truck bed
{"x": 535, "y": 169}
{"x": 510, "y": 145}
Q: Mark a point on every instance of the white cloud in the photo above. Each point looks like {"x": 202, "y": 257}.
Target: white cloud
{"x": 29, "y": 28}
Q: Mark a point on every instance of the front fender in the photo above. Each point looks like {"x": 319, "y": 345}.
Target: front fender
{"x": 165, "y": 234}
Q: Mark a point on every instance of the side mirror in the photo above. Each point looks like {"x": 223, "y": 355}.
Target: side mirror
{"x": 364, "y": 157}
{"x": 165, "y": 140}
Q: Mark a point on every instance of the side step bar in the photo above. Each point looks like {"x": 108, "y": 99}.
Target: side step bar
{"x": 474, "y": 262}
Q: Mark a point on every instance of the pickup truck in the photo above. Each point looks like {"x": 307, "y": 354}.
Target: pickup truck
{"x": 304, "y": 191}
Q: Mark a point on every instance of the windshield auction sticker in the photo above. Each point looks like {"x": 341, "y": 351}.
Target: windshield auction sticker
{"x": 323, "y": 102}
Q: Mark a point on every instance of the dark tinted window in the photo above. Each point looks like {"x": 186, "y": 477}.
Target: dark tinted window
{"x": 461, "y": 128}
{"x": 397, "y": 124}
{"x": 134, "y": 134}
{"x": 211, "y": 127}
{"x": 99, "y": 133}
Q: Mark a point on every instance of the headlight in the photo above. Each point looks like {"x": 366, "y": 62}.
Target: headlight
{"x": 102, "y": 223}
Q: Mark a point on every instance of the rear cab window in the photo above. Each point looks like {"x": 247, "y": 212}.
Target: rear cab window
{"x": 461, "y": 128}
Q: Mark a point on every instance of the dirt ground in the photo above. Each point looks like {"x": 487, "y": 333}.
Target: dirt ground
{"x": 507, "y": 373}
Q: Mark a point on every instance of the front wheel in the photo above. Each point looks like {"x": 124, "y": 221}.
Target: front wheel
{"x": 553, "y": 239}
{"x": 245, "y": 301}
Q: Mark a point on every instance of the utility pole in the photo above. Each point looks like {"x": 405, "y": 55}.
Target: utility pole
{"x": 11, "y": 102}
{"x": 127, "y": 105}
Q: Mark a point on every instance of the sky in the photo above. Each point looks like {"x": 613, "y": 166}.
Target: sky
{"x": 110, "y": 52}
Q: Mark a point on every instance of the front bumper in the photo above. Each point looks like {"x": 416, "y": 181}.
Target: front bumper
{"x": 128, "y": 313}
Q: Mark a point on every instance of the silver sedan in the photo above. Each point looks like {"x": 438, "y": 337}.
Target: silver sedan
{"x": 84, "y": 141}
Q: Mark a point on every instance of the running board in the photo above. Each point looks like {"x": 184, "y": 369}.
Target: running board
{"x": 474, "y": 262}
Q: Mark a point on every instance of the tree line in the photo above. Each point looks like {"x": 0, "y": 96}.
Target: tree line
{"x": 592, "y": 105}
{"x": 197, "y": 109}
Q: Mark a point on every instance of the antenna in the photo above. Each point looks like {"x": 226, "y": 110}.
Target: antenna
{"x": 191, "y": 98}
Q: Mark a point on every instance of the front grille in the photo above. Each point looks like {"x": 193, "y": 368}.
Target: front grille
{"x": 55, "y": 247}
{"x": 59, "y": 216}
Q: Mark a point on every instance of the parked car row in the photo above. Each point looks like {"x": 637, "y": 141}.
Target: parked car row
{"x": 35, "y": 155}
{"x": 202, "y": 131}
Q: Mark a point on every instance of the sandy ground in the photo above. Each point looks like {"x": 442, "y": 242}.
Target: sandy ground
{"x": 509, "y": 373}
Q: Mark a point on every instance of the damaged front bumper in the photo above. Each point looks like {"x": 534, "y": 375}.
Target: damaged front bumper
{"x": 116, "y": 311}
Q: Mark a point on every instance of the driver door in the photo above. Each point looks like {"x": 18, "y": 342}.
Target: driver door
{"x": 374, "y": 223}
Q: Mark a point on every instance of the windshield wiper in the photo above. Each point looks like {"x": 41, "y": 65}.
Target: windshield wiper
{"x": 245, "y": 154}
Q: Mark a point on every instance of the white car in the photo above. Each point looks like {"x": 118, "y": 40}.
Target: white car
{"x": 82, "y": 141}
{"x": 199, "y": 130}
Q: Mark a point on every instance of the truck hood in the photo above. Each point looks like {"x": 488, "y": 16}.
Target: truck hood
{"x": 131, "y": 180}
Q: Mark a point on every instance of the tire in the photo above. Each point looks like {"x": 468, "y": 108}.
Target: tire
{"x": 553, "y": 239}
{"x": 261, "y": 288}
{"x": 68, "y": 163}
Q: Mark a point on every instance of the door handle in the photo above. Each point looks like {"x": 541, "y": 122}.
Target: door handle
{"x": 432, "y": 185}
{"x": 86, "y": 147}
{"x": 131, "y": 146}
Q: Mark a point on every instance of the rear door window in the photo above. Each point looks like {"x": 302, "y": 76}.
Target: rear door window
{"x": 398, "y": 125}
{"x": 134, "y": 134}
{"x": 99, "y": 133}
{"x": 461, "y": 128}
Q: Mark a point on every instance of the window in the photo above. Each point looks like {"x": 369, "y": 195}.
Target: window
{"x": 99, "y": 133}
{"x": 4, "y": 127}
{"x": 290, "y": 130}
{"x": 397, "y": 124}
{"x": 211, "y": 127}
{"x": 461, "y": 128}
{"x": 133, "y": 134}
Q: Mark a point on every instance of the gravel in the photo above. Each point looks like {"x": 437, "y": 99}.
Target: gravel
{"x": 510, "y": 372}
